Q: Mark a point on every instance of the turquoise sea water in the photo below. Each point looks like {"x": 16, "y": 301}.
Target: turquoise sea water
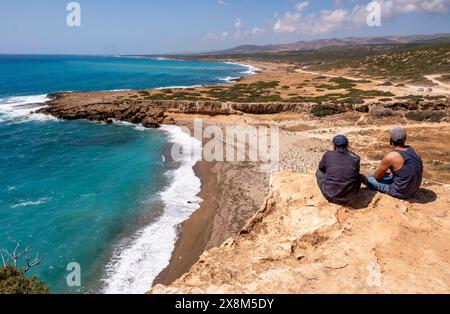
{"x": 98, "y": 195}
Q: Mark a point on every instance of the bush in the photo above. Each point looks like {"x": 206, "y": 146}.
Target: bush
{"x": 432, "y": 116}
{"x": 323, "y": 111}
{"x": 15, "y": 282}
{"x": 381, "y": 112}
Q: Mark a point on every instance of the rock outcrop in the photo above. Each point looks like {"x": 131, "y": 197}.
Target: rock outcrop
{"x": 152, "y": 113}
{"x": 299, "y": 243}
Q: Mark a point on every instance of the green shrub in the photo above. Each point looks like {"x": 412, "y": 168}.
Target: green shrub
{"x": 15, "y": 282}
{"x": 432, "y": 116}
{"x": 323, "y": 111}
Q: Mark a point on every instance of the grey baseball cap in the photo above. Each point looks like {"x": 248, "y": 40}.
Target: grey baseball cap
{"x": 398, "y": 135}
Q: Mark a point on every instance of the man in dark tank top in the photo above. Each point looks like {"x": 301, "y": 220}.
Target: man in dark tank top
{"x": 401, "y": 171}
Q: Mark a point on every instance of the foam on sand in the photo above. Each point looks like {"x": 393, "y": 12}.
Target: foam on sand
{"x": 251, "y": 70}
{"x": 134, "y": 267}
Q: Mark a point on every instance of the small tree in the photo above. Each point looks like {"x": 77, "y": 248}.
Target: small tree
{"x": 13, "y": 279}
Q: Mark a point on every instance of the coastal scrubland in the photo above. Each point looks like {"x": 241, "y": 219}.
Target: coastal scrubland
{"x": 396, "y": 63}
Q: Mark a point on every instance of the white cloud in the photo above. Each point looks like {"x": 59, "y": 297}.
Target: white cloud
{"x": 327, "y": 21}
{"x": 210, "y": 35}
{"x": 301, "y": 5}
{"x": 238, "y": 24}
{"x": 420, "y": 6}
{"x": 222, "y": 2}
{"x": 289, "y": 23}
{"x": 257, "y": 31}
{"x": 239, "y": 32}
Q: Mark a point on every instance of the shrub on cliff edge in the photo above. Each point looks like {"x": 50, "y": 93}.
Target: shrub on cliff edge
{"x": 14, "y": 281}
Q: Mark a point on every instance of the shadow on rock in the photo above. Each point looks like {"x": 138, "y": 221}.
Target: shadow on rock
{"x": 363, "y": 199}
{"x": 423, "y": 196}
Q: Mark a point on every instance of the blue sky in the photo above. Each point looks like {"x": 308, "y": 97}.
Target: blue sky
{"x": 170, "y": 26}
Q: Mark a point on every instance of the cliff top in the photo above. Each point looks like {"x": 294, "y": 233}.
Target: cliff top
{"x": 299, "y": 243}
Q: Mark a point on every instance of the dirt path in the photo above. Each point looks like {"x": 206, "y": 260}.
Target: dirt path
{"x": 435, "y": 81}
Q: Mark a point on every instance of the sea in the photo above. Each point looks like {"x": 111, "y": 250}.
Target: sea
{"x": 99, "y": 205}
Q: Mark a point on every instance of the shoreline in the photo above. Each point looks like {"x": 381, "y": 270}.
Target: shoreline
{"x": 227, "y": 204}
{"x": 194, "y": 232}
{"x": 150, "y": 248}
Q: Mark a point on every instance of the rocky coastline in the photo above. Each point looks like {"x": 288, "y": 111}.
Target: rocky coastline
{"x": 153, "y": 113}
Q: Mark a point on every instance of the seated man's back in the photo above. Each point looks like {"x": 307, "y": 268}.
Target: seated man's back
{"x": 338, "y": 175}
{"x": 401, "y": 171}
{"x": 407, "y": 179}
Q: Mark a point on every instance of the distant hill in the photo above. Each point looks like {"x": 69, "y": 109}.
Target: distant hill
{"x": 349, "y": 41}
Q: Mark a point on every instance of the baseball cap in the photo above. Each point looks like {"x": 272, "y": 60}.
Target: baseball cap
{"x": 398, "y": 135}
{"x": 340, "y": 141}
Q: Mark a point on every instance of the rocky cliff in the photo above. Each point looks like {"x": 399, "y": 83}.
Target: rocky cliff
{"x": 152, "y": 113}
{"x": 299, "y": 243}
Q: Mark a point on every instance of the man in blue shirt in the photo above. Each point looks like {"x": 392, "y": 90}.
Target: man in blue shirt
{"x": 338, "y": 175}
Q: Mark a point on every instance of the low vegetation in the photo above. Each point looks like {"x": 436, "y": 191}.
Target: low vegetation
{"x": 378, "y": 112}
{"x": 398, "y": 62}
{"x": 14, "y": 279}
{"x": 324, "y": 110}
{"x": 409, "y": 64}
{"x": 431, "y": 116}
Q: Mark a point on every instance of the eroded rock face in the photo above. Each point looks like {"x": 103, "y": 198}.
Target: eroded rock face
{"x": 152, "y": 113}
{"x": 299, "y": 243}
{"x": 149, "y": 116}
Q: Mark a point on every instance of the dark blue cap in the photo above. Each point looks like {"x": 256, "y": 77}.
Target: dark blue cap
{"x": 340, "y": 141}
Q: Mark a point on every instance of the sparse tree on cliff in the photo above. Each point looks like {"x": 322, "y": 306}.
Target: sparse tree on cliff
{"x": 13, "y": 278}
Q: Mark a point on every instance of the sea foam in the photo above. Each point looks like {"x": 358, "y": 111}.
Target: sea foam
{"x": 251, "y": 70}
{"x": 23, "y": 108}
{"x": 133, "y": 268}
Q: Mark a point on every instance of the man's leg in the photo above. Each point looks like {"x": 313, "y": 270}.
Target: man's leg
{"x": 382, "y": 186}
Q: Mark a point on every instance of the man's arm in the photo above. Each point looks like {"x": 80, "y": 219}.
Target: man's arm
{"x": 323, "y": 164}
{"x": 385, "y": 166}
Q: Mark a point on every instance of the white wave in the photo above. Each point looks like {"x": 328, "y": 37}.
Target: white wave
{"x": 179, "y": 87}
{"x": 23, "y": 108}
{"x": 30, "y": 203}
{"x": 138, "y": 127}
{"x": 251, "y": 70}
{"x": 229, "y": 79}
{"x": 134, "y": 268}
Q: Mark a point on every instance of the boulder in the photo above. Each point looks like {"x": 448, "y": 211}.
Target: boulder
{"x": 150, "y": 123}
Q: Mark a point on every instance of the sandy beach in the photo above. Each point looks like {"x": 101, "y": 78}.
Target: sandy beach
{"x": 229, "y": 200}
